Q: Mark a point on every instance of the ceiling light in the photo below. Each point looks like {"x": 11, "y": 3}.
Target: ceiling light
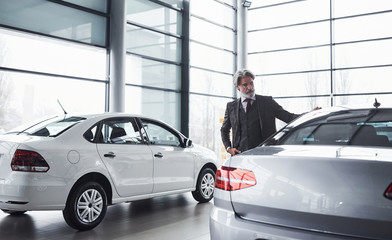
{"x": 246, "y": 3}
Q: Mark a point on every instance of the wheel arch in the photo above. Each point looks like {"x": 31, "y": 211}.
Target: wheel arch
{"x": 203, "y": 189}
{"x": 98, "y": 178}
{"x": 207, "y": 165}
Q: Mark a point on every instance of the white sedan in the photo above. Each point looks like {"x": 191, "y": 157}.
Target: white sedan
{"x": 82, "y": 164}
{"x": 327, "y": 175}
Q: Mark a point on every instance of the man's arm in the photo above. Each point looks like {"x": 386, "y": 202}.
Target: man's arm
{"x": 226, "y": 127}
{"x": 225, "y": 133}
{"x": 282, "y": 114}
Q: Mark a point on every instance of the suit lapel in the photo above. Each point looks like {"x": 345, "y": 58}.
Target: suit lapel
{"x": 237, "y": 109}
{"x": 236, "y": 124}
{"x": 260, "y": 106}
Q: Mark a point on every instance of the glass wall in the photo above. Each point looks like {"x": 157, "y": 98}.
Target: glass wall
{"x": 154, "y": 56}
{"x": 322, "y": 52}
{"x": 304, "y": 54}
{"x": 82, "y": 21}
{"x": 212, "y": 63}
{"x": 48, "y": 59}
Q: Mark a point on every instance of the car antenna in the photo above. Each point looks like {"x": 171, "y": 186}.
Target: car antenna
{"x": 376, "y": 104}
{"x": 65, "y": 112}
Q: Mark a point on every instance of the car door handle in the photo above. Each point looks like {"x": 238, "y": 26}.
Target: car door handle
{"x": 158, "y": 155}
{"x": 109, "y": 155}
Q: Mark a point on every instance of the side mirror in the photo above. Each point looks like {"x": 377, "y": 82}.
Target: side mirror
{"x": 188, "y": 142}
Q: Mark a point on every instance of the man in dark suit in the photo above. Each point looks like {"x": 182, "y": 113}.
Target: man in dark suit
{"x": 251, "y": 117}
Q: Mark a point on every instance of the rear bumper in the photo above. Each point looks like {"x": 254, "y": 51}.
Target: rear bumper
{"x": 26, "y": 192}
{"x": 225, "y": 225}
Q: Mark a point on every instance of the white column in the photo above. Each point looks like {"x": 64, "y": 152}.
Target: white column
{"x": 117, "y": 56}
{"x": 242, "y": 33}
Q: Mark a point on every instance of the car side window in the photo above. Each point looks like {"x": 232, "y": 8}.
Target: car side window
{"x": 120, "y": 131}
{"x": 372, "y": 134}
{"x": 356, "y": 128}
{"x": 89, "y": 135}
{"x": 322, "y": 134}
{"x": 159, "y": 135}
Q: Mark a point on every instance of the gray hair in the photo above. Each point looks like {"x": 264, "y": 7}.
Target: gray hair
{"x": 240, "y": 74}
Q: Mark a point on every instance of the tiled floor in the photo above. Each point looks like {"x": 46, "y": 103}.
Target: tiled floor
{"x": 173, "y": 217}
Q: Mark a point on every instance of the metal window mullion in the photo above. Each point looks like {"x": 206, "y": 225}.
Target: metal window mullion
{"x": 288, "y": 25}
{"x": 75, "y": 6}
{"x": 185, "y": 66}
{"x": 7, "y": 69}
{"x": 211, "y": 95}
{"x": 331, "y": 49}
{"x": 212, "y": 22}
{"x": 211, "y": 46}
{"x": 151, "y": 29}
{"x": 336, "y": 95}
{"x": 290, "y": 49}
{"x": 276, "y": 4}
{"x": 165, "y": 5}
{"x": 154, "y": 58}
{"x": 211, "y": 70}
{"x": 153, "y": 88}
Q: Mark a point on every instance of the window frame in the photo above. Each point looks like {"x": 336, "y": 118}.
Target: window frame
{"x": 99, "y": 137}
{"x": 171, "y": 130}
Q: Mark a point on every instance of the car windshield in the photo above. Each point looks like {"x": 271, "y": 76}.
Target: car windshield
{"x": 50, "y": 127}
{"x": 365, "y": 127}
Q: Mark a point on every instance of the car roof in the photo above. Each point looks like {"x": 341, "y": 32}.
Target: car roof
{"x": 104, "y": 115}
{"x": 109, "y": 115}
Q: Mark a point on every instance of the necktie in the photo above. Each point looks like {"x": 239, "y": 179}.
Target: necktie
{"x": 248, "y": 104}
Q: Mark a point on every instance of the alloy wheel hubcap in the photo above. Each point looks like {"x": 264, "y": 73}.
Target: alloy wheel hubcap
{"x": 89, "y": 205}
{"x": 207, "y": 185}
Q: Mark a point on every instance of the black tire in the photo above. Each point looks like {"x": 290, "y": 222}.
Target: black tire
{"x": 86, "y": 206}
{"x": 13, "y": 212}
{"x": 205, "y": 186}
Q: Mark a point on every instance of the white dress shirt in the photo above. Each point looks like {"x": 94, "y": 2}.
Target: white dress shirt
{"x": 244, "y": 103}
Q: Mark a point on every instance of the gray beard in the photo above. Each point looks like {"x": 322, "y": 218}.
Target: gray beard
{"x": 247, "y": 95}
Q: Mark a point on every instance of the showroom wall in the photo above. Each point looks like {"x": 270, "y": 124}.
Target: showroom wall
{"x": 181, "y": 55}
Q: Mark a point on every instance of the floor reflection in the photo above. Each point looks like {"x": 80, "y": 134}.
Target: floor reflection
{"x": 171, "y": 217}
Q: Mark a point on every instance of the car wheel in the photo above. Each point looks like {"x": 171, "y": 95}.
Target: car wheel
{"x": 13, "y": 212}
{"x": 205, "y": 186}
{"x": 86, "y": 206}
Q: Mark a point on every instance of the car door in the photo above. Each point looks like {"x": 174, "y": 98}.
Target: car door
{"x": 174, "y": 166}
{"x": 127, "y": 157}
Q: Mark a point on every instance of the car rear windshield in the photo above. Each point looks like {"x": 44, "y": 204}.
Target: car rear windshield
{"x": 50, "y": 127}
{"x": 356, "y": 127}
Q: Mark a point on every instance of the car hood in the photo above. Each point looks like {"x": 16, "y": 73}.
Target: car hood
{"x": 324, "y": 188}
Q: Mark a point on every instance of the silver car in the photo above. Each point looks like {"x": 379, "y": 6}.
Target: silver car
{"x": 327, "y": 175}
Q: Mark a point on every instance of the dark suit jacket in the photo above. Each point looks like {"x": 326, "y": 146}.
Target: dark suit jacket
{"x": 268, "y": 110}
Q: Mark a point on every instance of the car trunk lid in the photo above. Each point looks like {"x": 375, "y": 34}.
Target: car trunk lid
{"x": 326, "y": 189}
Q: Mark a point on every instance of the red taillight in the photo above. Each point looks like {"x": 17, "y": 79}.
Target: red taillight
{"x": 28, "y": 161}
{"x": 231, "y": 179}
{"x": 388, "y": 192}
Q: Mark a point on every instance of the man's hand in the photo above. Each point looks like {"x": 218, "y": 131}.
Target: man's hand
{"x": 233, "y": 151}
